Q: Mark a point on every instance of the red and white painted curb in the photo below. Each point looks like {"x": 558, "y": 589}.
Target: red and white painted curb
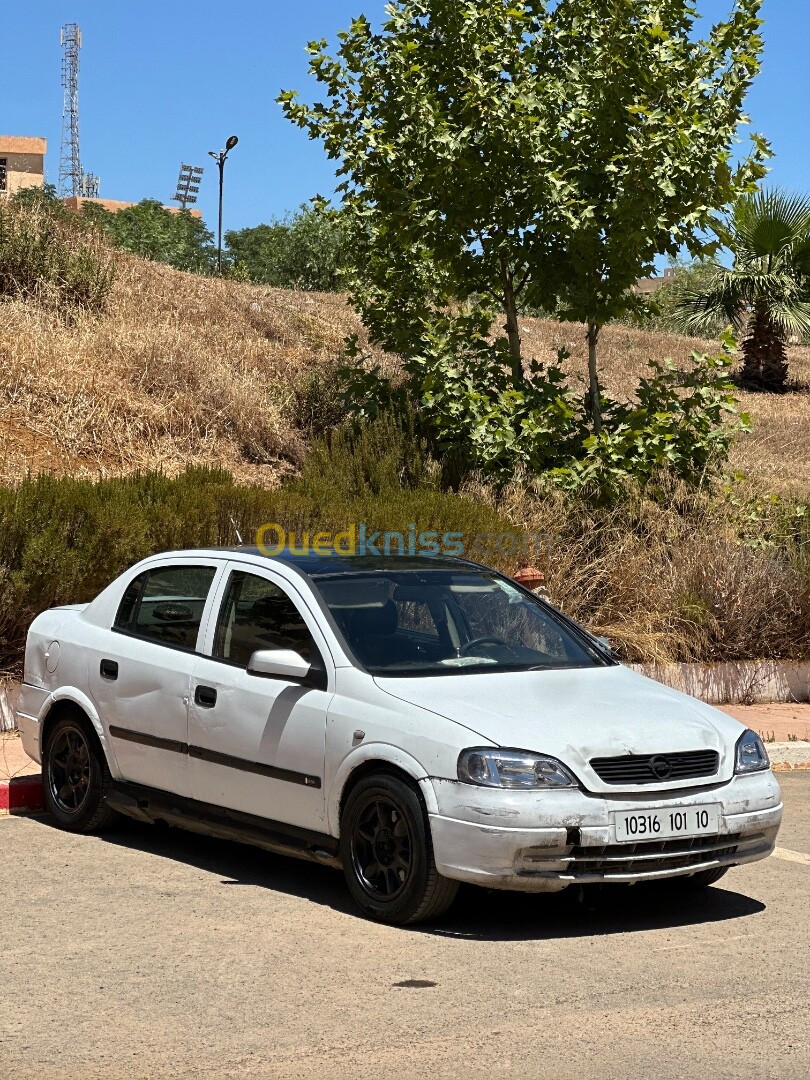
{"x": 21, "y": 794}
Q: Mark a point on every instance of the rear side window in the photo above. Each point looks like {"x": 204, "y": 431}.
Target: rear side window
{"x": 165, "y": 604}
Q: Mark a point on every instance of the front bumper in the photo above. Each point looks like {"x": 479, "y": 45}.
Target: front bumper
{"x": 545, "y": 841}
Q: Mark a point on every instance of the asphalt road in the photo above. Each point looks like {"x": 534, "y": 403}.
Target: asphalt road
{"x": 154, "y": 953}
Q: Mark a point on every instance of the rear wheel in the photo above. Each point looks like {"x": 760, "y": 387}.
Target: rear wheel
{"x": 75, "y": 776}
{"x": 703, "y": 878}
{"x": 387, "y": 853}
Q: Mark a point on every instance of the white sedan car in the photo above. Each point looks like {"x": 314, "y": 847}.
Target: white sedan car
{"x": 417, "y": 721}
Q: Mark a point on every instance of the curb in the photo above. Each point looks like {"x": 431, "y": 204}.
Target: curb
{"x": 789, "y": 756}
{"x": 21, "y": 795}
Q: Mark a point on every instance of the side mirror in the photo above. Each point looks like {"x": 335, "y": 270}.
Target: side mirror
{"x": 605, "y": 643}
{"x": 285, "y": 663}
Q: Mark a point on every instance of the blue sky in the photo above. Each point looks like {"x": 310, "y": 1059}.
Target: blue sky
{"x": 163, "y": 83}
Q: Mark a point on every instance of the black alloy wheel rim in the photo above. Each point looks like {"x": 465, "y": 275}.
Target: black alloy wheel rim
{"x": 382, "y": 848}
{"x": 69, "y": 770}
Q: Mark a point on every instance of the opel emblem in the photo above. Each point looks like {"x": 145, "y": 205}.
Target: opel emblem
{"x": 661, "y": 768}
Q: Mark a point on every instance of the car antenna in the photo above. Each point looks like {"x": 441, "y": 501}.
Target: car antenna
{"x": 236, "y": 530}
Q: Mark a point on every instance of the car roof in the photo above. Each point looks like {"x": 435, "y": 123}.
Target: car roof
{"x": 328, "y": 563}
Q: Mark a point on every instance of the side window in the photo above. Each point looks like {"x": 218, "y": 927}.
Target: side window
{"x": 256, "y": 614}
{"x": 166, "y": 604}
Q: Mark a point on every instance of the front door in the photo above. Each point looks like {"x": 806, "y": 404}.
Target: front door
{"x": 256, "y": 743}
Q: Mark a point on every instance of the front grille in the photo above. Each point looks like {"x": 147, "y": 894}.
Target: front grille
{"x": 656, "y": 768}
{"x": 650, "y": 856}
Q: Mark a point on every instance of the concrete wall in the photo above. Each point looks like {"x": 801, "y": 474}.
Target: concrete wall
{"x": 745, "y": 682}
{"x": 25, "y": 162}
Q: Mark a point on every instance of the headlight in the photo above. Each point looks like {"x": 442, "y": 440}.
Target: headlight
{"x": 751, "y": 755}
{"x": 488, "y": 766}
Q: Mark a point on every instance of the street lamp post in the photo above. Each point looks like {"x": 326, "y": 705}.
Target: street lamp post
{"x": 220, "y": 158}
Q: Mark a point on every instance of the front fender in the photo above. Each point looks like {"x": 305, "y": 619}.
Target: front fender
{"x": 386, "y": 754}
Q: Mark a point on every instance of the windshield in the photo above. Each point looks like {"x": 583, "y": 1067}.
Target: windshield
{"x": 438, "y": 622}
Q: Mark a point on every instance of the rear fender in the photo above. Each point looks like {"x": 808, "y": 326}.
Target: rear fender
{"x": 76, "y": 697}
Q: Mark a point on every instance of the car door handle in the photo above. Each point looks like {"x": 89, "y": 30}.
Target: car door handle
{"x": 205, "y": 697}
{"x": 108, "y": 669}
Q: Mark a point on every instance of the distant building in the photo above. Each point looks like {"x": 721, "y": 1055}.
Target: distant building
{"x": 22, "y": 163}
{"x": 647, "y": 285}
{"x": 74, "y": 202}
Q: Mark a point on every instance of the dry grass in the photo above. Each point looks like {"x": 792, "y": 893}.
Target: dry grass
{"x": 190, "y": 370}
{"x": 665, "y": 580}
{"x": 183, "y": 370}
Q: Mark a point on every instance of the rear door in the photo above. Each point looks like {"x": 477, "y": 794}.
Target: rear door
{"x": 256, "y": 743}
{"x": 140, "y": 670}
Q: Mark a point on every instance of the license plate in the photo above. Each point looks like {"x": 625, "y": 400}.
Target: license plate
{"x": 634, "y": 825}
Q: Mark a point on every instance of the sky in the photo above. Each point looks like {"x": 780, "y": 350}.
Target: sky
{"x": 162, "y": 84}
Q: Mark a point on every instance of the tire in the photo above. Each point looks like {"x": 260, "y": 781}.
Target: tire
{"x": 703, "y": 878}
{"x": 75, "y": 776}
{"x": 387, "y": 853}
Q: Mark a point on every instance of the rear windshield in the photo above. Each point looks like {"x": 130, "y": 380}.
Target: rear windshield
{"x": 439, "y": 622}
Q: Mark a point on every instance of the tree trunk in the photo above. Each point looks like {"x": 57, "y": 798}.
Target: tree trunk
{"x": 593, "y": 377}
{"x": 511, "y": 325}
{"x": 765, "y": 364}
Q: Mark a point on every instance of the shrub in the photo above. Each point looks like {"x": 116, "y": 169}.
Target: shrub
{"x": 467, "y": 406}
{"x": 151, "y": 230}
{"x": 53, "y": 257}
{"x": 63, "y": 539}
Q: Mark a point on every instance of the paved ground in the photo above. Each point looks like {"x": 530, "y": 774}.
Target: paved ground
{"x": 154, "y": 953}
{"x": 777, "y": 722}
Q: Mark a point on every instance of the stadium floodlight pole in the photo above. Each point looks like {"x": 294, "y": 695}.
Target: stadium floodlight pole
{"x": 220, "y": 158}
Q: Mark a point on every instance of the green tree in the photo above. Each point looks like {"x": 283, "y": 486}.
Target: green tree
{"x": 149, "y": 229}
{"x": 650, "y": 117}
{"x": 500, "y": 153}
{"x": 765, "y": 295}
{"x": 305, "y": 250}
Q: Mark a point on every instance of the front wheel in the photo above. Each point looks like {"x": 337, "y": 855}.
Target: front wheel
{"x": 387, "y": 854}
{"x": 75, "y": 776}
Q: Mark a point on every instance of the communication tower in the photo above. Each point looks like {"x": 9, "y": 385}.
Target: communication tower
{"x": 72, "y": 179}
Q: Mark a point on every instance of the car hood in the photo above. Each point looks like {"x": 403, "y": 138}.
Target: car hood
{"x": 578, "y": 714}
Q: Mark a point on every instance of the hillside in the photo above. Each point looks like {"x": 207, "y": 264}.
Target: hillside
{"x": 186, "y": 369}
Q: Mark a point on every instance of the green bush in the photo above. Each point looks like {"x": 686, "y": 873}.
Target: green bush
{"x": 52, "y": 256}
{"x": 458, "y": 393}
{"x": 305, "y": 250}
{"x": 683, "y": 424}
{"x": 154, "y": 232}
{"x": 63, "y": 539}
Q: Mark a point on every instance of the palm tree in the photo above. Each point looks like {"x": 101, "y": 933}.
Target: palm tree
{"x": 765, "y": 295}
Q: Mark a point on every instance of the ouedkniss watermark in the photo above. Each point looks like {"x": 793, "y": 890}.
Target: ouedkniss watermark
{"x": 359, "y": 539}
